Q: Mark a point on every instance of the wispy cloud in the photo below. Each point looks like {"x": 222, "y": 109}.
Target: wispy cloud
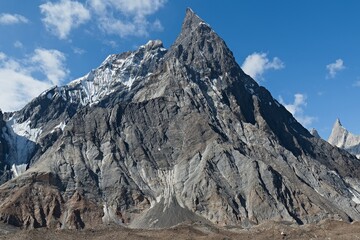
{"x": 78, "y": 51}
{"x": 357, "y": 84}
{"x": 127, "y": 18}
{"x": 334, "y": 68}
{"x": 297, "y": 109}
{"x": 256, "y": 64}
{"x": 111, "y": 43}
{"x": 18, "y": 44}
{"x": 62, "y": 17}
{"x": 50, "y": 62}
{"x": 114, "y": 17}
{"x": 17, "y": 76}
{"x": 2, "y": 56}
{"x": 10, "y": 19}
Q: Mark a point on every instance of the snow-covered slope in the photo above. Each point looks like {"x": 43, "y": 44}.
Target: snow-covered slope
{"x": 21, "y": 139}
{"x": 117, "y": 71}
{"x": 34, "y": 125}
{"x": 153, "y": 140}
{"x": 342, "y": 138}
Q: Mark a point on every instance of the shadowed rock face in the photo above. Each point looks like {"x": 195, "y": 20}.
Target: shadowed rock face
{"x": 156, "y": 137}
{"x": 3, "y": 150}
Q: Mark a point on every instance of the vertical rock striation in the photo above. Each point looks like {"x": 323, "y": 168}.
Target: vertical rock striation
{"x": 156, "y": 137}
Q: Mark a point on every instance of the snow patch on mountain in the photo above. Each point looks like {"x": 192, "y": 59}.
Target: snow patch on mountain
{"x": 24, "y": 129}
{"x": 61, "y": 126}
{"x": 22, "y": 142}
{"x": 18, "y": 169}
{"x": 117, "y": 69}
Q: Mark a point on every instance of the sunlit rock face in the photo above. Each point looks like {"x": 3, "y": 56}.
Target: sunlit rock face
{"x": 342, "y": 138}
{"x": 155, "y": 137}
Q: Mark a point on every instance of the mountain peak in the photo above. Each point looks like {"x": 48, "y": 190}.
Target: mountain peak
{"x": 191, "y": 22}
{"x": 191, "y": 19}
{"x": 153, "y": 133}
{"x": 315, "y": 133}
{"x": 342, "y": 138}
{"x": 337, "y": 123}
{"x": 338, "y": 134}
{"x": 199, "y": 47}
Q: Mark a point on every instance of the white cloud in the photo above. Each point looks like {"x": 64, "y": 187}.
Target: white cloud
{"x": 51, "y": 64}
{"x": 78, "y": 51}
{"x": 18, "y": 44}
{"x": 157, "y": 26}
{"x": 112, "y": 44}
{"x": 135, "y": 7}
{"x": 116, "y": 17}
{"x": 257, "y": 63}
{"x": 127, "y": 18}
{"x": 18, "y": 88}
{"x": 2, "y": 56}
{"x": 17, "y": 81}
{"x": 60, "y": 18}
{"x": 297, "y": 109}
{"x": 334, "y": 68}
{"x": 9, "y": 19}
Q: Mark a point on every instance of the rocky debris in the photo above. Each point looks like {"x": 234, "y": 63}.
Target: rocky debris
{"x": 171, "y": 136}
{"x": 37, "y": 202}
{"x": 270, "y": 230}
{"x": 342, "y": 138}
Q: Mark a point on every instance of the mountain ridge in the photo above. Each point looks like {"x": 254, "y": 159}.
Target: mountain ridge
{"x": 342, "y": 138}
{"x": 196, "y": 138}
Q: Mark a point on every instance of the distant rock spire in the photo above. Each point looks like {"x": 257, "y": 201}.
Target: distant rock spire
{"x": 342, "y": 138}
{"x": 338, "y": 123}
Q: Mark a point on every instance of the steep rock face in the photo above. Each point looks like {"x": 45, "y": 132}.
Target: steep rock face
{"x": 30, "y": 131}
{"x": 33, "y": 129}
{"x": 342, "y": 138}
{"x": 182, "y": 134}
{"x": 4, "y": 168}
{"x": 2, "y": 141}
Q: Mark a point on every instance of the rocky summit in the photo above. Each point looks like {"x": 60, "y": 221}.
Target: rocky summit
{"x": 157, "y": 137}
{"x": 342, "y": 138}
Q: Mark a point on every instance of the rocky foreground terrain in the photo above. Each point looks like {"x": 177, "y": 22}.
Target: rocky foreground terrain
{"x": 158, "y": 137}
{"x": 326, "y": 230}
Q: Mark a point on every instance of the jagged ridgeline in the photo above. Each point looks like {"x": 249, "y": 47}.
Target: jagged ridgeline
{"x": 344, "y": 139}
{"x": 157, "y": 137}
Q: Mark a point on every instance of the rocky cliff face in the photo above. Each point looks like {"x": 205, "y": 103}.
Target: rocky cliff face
{"x": 4, "y": 173}
{"x": 156, "y": 137}
{"x": 342, "y": 138}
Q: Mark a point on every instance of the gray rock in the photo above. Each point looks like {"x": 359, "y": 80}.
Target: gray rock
{"x": 342, "y": 138}
{"x": 171, "y": 136}
{"x": 4, "y": 167}
{"x": 315, "y": 133}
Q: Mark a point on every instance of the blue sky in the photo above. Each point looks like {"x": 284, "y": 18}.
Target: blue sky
{"x": 307, "y": 53}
